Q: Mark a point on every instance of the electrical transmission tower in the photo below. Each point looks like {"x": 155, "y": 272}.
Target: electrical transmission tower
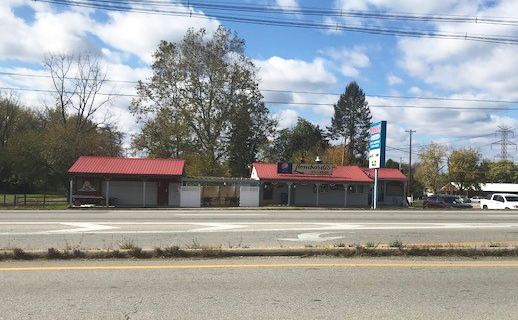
{"x": 505, "y": 133}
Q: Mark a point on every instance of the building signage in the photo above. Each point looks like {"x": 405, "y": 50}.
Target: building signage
{"x": 305, "y": 168}
{"x": 377, "y": 141}
{"x": 283, "y": 167}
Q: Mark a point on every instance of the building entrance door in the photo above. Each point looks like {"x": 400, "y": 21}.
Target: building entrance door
{"x": 163, "y": 193}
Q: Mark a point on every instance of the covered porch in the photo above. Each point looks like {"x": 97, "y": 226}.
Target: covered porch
{"x": 316, "y": 194}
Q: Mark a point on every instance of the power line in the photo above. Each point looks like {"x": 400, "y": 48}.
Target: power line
{"x": 291, "y": 10}
{"x": 295, "y": 91}
{"x": 307, "y": 103}
{"x": 113, "y": 6}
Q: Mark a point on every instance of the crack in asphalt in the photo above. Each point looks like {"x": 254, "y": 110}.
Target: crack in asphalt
{"x": 135, "y": 309}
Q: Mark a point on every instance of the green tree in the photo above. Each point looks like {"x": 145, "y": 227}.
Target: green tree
{"x": 204, "y": 82}
{"x": 463, "y": 168}
{"x": 351, "y": 123}
{"x": 431, "y": 165}
{"x": 164, "y": 136}
{"x": 503, "y": 171}
{"x": 248, "y": 136}
{"x": 392, "y": 164}
{"x": 304, "y": 142}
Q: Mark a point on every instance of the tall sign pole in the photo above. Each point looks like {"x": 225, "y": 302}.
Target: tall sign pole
{"x": 377, "y": 141}
{"x": 410, "y": 165}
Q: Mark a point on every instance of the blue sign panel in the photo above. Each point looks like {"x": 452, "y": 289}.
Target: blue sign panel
{"x": 283, "y": 167}
{"x": 377, "y": 141}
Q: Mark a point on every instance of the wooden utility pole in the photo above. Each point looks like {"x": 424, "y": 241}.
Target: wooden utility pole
{"x": 410, "y": 164}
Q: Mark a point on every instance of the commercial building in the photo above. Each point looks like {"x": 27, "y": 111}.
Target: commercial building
{"x": 128, "y": 182}
{"x": 337, "y": 186}
{"x": 134, "y": 182}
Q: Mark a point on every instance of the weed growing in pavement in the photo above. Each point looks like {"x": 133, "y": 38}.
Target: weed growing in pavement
{"x": 53, "y": 253}
{"x": 195, "y": 244}
{"x": 396, "y": 244}
{"x": 169, "y": 252}
{"x": 19, "y": 254}
{"x": 136, "y": 252}
{"x": 128, "y": 245}
{"x": 78, "y": 254}
{"x": 340, "y": 245}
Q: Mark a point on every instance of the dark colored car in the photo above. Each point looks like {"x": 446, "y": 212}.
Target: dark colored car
{"x": 445, "y": 201}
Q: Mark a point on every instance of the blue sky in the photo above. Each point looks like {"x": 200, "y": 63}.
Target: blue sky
{"x": 300, "y": 59}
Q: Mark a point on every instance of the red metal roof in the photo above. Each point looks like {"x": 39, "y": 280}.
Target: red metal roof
{"x": 268, "y": 171}
{"x": 127, "y": 166}
{"x": 386, "y": 174}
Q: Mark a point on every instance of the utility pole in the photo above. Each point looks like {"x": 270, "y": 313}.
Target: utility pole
{"x": 410, "y": 164}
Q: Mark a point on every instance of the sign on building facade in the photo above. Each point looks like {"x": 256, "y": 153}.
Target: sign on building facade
{"x": 377, "y": 141}
{"x": 305, "y": 168}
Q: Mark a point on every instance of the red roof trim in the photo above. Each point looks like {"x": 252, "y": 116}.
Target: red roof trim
{"x": 386, "y": 174}
{"x": 127, "y": 166}
{"x": 268, "y": 171}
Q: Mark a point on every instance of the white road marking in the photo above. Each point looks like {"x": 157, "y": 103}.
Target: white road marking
{"x": 83, "y": 227}
{"x": 187, "y": 227}
{"x": 216, "y": 227}
{"x": 313, "y": 236}
{"x": 220, "y": 214}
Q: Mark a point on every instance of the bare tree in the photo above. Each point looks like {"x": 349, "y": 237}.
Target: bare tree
{"x": 77, "y": 80}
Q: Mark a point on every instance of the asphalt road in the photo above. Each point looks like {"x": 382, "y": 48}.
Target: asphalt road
{"x": 259, "y": 289}
{"x": 251, "y": 228}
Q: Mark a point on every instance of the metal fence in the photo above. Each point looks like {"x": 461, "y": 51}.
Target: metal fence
{"x": 31, "y": 200}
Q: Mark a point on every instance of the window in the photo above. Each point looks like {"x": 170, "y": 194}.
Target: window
{"x": 267, "y": 191}
{"x": 324, "y": 188}
{"x": 355, "y": 189}
{"x": 512, "y": 198}
{"x": 499, "y": 198}
{"x": 394, "y": 189}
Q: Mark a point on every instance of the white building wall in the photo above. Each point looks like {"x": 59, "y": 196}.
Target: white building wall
{"x": 249, "y": 196}
{"x": 190, "y": 197}
{"x": 174, "y": 194}
{"x": 129, "y": 193}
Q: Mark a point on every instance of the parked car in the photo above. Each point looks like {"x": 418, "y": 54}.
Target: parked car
{"x": 477, "y": 198}
{"x": 500, "y": 201}
{"x": 445, "y": 201}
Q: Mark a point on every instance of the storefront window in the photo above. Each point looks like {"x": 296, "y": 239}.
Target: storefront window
{"x": 355, "y": 189}
{"x": 394, "y": 189}
{"x": 267, "y": 191}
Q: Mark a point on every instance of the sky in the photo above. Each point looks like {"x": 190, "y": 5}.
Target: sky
{"x": 400, "y": 75}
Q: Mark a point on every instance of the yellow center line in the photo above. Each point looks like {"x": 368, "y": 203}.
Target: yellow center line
{"x": 242, "y": 266}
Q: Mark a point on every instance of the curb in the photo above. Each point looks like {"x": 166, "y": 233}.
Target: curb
{"x": 215, "y": 252}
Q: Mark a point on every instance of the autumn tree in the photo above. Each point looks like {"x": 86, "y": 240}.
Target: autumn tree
{"x": 431, "y": 165}
{"x": 351, "y": 123}
{"x": 463, "y": 168}
{"x": 204, "y": 82}
{"x": 77, "y": 122}
{"x": 503, "y": 171}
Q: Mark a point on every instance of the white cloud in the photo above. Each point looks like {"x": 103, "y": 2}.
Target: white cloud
{"x": 288, "y": 4}
{"x": 349, "y": 60}
{"x": 289, "y": 74}
{"x": 50, "y": 31}
{"x": 140, "y": 34}
{"x": 394, "y": 80}
{"x": 287, "y": 118}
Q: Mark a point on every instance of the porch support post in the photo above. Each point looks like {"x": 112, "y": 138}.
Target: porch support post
{"x": 289, "y": 192}
{"x": 318, "y": 193}
{"x": 346, "y": 187}
{"x": 107, "y": 192}
{"x": 71, "y": 192}
{"x": 143, "y": 193}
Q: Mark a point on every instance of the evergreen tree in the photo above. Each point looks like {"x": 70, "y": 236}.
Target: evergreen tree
{"x": 351, "y": 123}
